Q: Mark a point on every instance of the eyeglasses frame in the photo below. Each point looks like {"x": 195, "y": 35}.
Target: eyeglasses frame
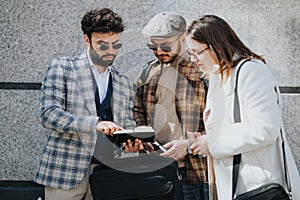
{"x": 190, "y": 51}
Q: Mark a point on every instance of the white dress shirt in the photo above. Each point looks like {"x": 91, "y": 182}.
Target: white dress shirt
{"x": 102, "y": 79}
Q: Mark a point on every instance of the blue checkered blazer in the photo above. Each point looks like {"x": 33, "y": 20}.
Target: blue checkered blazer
{"x": 68, "y": 109}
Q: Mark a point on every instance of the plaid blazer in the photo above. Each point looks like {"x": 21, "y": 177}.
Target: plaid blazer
{"x": 68, "y": 109}
{"x": 189, "y": 101}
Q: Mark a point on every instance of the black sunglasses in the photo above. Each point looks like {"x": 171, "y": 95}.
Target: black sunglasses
{"x": 104, "y": 47}
{"x": 164, "y": 48}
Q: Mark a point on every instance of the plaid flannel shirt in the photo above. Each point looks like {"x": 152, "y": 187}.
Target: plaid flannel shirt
{"x": 190, "y": 104}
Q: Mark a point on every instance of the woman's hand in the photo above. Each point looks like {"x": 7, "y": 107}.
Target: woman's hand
{"x": 206, "y": 114}
{"x": 200, "y": 146}
{"x": 207, "y": 119}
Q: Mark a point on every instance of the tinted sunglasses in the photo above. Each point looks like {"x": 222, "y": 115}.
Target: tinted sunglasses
{"x": 104, "y": 47}
{"x": 164, "y": 48}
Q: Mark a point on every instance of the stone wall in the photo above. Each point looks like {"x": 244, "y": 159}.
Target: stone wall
{"x": 35, "y": 32}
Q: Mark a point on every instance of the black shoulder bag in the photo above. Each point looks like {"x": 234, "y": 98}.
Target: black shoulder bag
{"x": 271, "y": 191}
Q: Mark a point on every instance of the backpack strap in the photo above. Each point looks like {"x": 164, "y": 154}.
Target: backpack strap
{"x": 145, "y": 71}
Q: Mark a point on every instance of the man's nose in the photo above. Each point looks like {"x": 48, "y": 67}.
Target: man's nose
{"x": 110, "y": 49}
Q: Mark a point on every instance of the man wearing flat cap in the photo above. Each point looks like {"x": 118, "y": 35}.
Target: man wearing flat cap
{"x": 170, "y": 97}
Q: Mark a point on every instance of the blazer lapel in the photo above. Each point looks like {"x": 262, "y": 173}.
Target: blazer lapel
{"x": 84, "y": 78}
{"x": 114, "y": 98}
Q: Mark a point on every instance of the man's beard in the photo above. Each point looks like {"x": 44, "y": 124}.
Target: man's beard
{"x": 169, "y": 58}
{"x": 98, "y": 60}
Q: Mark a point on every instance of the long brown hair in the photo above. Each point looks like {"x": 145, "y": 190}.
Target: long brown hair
{"x": 221, "y": 38}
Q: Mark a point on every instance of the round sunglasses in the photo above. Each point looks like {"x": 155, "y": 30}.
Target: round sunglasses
{"x": 104, "y": 47}
{"x": 164, "y": 47}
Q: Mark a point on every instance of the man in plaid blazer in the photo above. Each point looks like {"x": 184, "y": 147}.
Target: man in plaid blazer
{"x": 83, "y": 97}
{"x": 171, "y": 97}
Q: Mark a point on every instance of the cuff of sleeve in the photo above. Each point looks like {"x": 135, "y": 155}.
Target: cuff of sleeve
{"x": 189, "y": 150}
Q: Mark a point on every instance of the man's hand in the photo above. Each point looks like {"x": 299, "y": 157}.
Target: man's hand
{"x": 176, "y": 149}
{"x": 137, "y": 146}
{"x": 148, "y": 146}
{"x": 107, "y": 127}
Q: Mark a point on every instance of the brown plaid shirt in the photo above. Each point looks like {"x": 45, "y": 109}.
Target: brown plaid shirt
{"x": 190, "y": 104}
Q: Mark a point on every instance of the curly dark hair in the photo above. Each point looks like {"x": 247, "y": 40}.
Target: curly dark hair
{"x": 101, "y": 20}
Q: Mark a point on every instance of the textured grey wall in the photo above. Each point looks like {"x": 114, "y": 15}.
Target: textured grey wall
{"x": 35, "y": 32}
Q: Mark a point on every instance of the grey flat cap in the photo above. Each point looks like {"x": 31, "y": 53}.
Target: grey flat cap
{"x": 165, "y": 24}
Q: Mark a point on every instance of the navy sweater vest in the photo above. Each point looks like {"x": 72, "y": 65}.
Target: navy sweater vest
{"x": 104, "y": 144}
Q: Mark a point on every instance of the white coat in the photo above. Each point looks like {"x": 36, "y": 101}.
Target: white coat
{"x": 257, "y": 137}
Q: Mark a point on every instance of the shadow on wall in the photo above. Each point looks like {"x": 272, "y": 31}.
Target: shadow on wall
{"x": 131, "y": 63}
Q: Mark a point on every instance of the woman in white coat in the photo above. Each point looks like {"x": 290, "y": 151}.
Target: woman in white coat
{"x": 217, "y": 51}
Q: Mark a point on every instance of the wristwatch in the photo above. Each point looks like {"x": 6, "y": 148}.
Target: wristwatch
{"x": 189, "y": 150}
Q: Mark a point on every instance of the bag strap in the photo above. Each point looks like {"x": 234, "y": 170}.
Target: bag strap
{"x": 286, "y": 172}
{"x": 237, "y": 119}
{"x": 206, "y": 84}
{"x": 145, "y": 71}
{"x": 237, "y": 158}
